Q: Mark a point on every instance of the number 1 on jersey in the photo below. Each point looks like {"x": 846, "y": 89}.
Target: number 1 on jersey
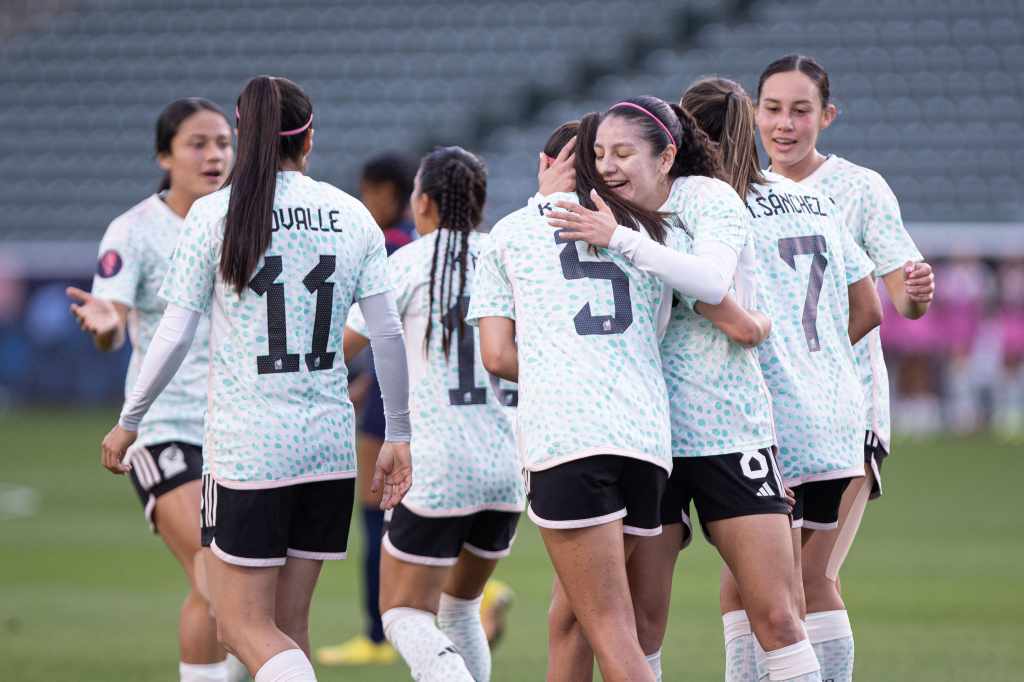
{"x": 789, "y": 249}
{"x": 279, "y": 360}
{"x": 467, "y": 392}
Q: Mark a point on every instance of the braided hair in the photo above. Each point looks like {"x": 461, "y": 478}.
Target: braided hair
{"x": 456, "y": 181}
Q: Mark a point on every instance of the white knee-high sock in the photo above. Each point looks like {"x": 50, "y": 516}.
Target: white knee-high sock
{"x": 460, "y": 620}
{"x": 291, "y": 665}
{"x": 740, "y": 663}
{"x": 654, "y": 660}
{"x": 430, "y": 654}
{"x": 202, "y": 672}
{"x": 832, "y": 638}
{"x": 795, "y": 663}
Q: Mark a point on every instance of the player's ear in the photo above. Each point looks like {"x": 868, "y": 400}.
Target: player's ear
{"x": 828, "y": 115}
{"x": 164, "y": 159}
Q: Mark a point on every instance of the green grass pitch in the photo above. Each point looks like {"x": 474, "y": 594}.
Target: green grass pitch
{"x": 934, "y": 582}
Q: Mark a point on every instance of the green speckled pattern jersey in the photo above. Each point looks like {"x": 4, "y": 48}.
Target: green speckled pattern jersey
{"x": 718, "y": 399}
{"x": 587, "y": 328}
{"x": 134, "y": 256}
{"x": 871, "y": 214}
{"x": 463, "y": 446}
{"x": 279, "y": 411}
{"x": 805, "y": 262}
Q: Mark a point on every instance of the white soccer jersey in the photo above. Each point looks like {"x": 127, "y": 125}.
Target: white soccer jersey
{"x": 463, "y": 447}
{"x": 587, "y": 328}
{"x": 871, "y": 214}
{"x": 717, "y": 396}
{"x": 279, "y": 411}
{"x": 805, "y": 262}
{"x": 134, "y": 256}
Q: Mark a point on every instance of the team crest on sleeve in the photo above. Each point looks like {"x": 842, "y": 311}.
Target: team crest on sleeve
{"x": 110, "y": 263}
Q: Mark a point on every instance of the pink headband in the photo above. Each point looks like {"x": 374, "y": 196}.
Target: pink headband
{"x": 653, "y": 117}
{"x": 286, "y": 133}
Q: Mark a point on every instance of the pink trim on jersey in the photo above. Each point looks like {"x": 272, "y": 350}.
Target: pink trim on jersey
{"x": 284, "y": 482}
{"x": 416, "y": 558}
{"x": 852, "y": 472}
{"x": 596, "y": 451}
{"x": 317, "y": 556}
{"x": 576, "y": 523}
{"x": 243, "y": 561}
{"x": 464, "y": 511}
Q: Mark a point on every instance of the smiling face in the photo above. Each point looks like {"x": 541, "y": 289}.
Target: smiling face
{"x": 201, "y": 154}
{"x": 790, "y": 114}
{"x": 628, "y": 164}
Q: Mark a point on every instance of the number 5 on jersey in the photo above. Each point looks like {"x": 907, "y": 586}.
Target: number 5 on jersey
{"x": 279, "y": 360}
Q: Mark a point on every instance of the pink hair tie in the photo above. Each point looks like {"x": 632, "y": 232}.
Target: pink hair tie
{"x": 653, "y": 117}
{"x": 284, "y": 133}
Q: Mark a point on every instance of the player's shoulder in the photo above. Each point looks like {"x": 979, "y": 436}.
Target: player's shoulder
{"x": 856, "y": 176}
{"x": 213, "y": 206}
{"x": 703, "y": 194}
{"x": 512, "y": 225}
{"x": 139, "y": 215}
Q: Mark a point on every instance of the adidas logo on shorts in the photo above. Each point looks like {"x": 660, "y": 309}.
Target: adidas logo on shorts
{"x": 765, "y": 490}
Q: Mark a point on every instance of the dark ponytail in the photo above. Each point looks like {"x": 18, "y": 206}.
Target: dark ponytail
{"x": 170, "y": 120}
{"x": 456, "y": 181}
{"x": 266, "y": 107}
{"x": 696, "y": 155}
{"x": 723, "y": 110}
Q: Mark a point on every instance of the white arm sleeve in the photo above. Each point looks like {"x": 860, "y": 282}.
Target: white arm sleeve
{"x": 388, "y": 344}
{"x": 705, "y": 275}
{"x": 164, "y": 356}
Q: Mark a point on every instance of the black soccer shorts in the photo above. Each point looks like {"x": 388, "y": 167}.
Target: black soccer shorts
{"x": 817, "y": 504}
{"x": 263, "y": 527}
{"x": 438, "y": 540}
{"x": 723, "y": 487}
{"x": 596, "y": 490}
{"x": 159, "y": 469}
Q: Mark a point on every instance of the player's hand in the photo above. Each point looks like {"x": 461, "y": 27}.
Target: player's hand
{"x": 114, "y": 447}
{"x": 96, "y": 316}
{"x": 919, "y": 281}
{"x": 558, "y": 174}
{"x": 581, "y": 224}
{"x": 790, "y": 497}
{"x": 392, "y": 476}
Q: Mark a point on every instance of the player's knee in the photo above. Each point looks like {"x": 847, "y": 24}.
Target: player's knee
{"x": 781, "y": 624}
{"x": 561, "y": 619}
{"x": 817, "y": 585}
{"x": 650, "y": 627}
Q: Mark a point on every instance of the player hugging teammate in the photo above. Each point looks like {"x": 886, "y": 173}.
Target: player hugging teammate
{"x": 684, "y": 327}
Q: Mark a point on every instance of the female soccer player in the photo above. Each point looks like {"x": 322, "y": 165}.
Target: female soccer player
{"x": 193, "y": 146}
{"x": 579, "y": 331}
{"x": 446, "y": 537}
{"x": 818, "y": 291}
{"x": 280, "y": 258}
{"x": 655, "y": 155}
{"x": 793, "y": 107}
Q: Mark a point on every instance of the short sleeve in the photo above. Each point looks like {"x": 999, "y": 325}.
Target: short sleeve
{"x": 492, "y": 289}
{"x": 718, "y": 214}
{"x": 356, "y": 322}
{"x": 885, "y": 237}
{"x": 120, "y": 266}
{"x": 858, "y": 265}
{"x": 373, "y": 278}
{"x": 192, "y": 275}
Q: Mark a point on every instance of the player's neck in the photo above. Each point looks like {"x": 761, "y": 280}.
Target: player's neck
{"x": 803, "y": 168}
{"x": 178, "y": 201}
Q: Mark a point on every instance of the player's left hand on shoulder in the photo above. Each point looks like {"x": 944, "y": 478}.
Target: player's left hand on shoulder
{"x": 919, "y": 281}
{"x": 392, "y": 476}
{"x": 115, "y": 445}
{"x": 582, "y": 224}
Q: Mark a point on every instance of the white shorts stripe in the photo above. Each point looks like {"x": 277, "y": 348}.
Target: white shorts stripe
{"x": 641, "y": 532}
{"x": 416, "y": 558}
{"x": 243, "y": 561}
{"x": 316, "y": 556}
{"x": 487, "y": 553}
{"x": 575, "y": 523}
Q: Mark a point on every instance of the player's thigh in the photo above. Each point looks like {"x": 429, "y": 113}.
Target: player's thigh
{"x": 296, "y": 581}
{"x": 467, "y": 577}
{"x": 758, "y": 550}
{"x": 178, "y": 514}
{"x": 410, "y": 585}
{"x": 650, "y": 568}
{"x": 489, "y": 535}
{"x": 244, "y": 596}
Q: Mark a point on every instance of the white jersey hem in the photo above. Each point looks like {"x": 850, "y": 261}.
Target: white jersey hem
{"x": 281, "y": 483}
{"x": 851, "y": 472}
{"x": 748, "y": 447}
{"x": 516, "y": 508}
{"x": 598, "y": 451}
